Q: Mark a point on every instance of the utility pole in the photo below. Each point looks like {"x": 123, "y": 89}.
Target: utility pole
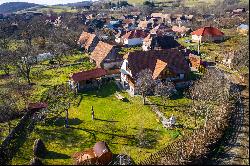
{"x": 199, "y": 46}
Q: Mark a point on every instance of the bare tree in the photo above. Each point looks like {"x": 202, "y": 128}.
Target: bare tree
{"x": 59, "y": 99}
{"x": 241, "y": 56}
{"x": 145, "y": 83}
{"x": 165, "y": 90}
{"x": 25, "y": 59}
{"x": 210, "y": 91}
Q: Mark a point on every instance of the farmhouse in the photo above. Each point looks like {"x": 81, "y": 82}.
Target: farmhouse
{"x": 86, "y": 80}
{"x": 88, "y": 41}
{"x": 207, "y": 34}
{"x": 134, "y": 37}
{"x": 106, "y": 56}
{"x": 164, "y": 64}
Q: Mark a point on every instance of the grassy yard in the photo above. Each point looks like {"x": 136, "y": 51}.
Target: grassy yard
{"x": 179, "y": 106}
{"x": 210, "y": 50}
{"x": 118, "y": 123}
{"x": 123, "y": 125}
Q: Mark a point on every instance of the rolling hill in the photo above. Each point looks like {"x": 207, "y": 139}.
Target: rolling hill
{"x": 16, "y": 6}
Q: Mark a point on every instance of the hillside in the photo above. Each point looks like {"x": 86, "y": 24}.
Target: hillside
{"x": 16, "y": 6}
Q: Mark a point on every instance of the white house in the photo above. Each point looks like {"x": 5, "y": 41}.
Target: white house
{"x": 133, "y": 38}
{"x": 207, "y": 34}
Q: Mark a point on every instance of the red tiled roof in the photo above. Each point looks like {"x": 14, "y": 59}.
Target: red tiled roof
{"x": 86, "y": 39}
{"x": 156, "y": 60}
{"x": 40, "y": 105}
{"x": 100, "y": 52}
{"x": 90, "y": 74}
{"x": 135, "y": 34}
{"x": 208, "y": 31}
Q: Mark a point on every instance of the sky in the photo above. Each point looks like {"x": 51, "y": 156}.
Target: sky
{"x": 42, "y": 2}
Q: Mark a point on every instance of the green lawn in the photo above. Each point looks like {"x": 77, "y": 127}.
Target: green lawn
{"x": 118, "y": 123}
{"x": 180, "y": 107}
{"x": 211, "y": 50}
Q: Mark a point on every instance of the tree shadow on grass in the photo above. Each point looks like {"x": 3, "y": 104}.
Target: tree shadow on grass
{"x": 145, "y": 138}
{"x": 56, "y": 155}
{"x": 104, "y": 120}
{"x": 105, "y": 90}
{"x": 61, "y": 121}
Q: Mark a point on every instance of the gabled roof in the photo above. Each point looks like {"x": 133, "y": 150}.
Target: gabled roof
{"x": 162, "y": 41}
{"x": 100, "y": 52}
{"x": 159, "y": 67}
{"x": 86, "y": 39}
{"x": 87, "y": 75}
{"x": 181, "y": 29}
{"x": 208, "y": 31}
{"x": 135, "y": 34}
{"x": 156, "y": 61}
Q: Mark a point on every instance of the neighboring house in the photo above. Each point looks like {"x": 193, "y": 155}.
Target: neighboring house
{"x": 163, "y": 17}
{"x": 207, "y": 34}
{"x": 86, "y": 80}
{"x": 106, "y": 56}
{"x": 243, "y": 29}
{"x": 195, "y": 61}
{"x": 181, "y": 30}
{"x": 164, "y": 64}
{"x": 88, "y": 41}
{"x": 134, "y": 37}
{"x": 154, "y": 42}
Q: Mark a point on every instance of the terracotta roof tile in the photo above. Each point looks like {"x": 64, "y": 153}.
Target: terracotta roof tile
{"x": 40, "y": 105}
{"x": 87, "y": 75}
{"x": 86, "y": 39}
{"x": 159, "y": 67}
{"x": 208, "y": 31}
{"x": 135, "y": 34}
{"x": 100, "y": 52}
{"x": 155, "y": 60}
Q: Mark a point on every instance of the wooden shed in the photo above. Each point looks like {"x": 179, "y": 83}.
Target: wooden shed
{"x": 103, "y": 153}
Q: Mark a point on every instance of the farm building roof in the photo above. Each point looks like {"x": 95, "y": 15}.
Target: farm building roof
{"x": 208, "y": 31}
{"x": 86, "y": 39}
{"x": 135, "y": 34}
{"x": 156, "y": 61}
{"x": 90, "y": 74}
{"x": 39, "y": 105}
{"x": 100, "y": 52}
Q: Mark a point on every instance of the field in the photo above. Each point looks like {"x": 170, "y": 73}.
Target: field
{"x": 210, "y": 50}
{"x": 123, "y": 125}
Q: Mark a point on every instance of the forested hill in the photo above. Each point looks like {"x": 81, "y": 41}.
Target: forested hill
{"x": 15, "y": 6}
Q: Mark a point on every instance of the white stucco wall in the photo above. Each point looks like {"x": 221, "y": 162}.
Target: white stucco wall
{"x": 132, "y": 42}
